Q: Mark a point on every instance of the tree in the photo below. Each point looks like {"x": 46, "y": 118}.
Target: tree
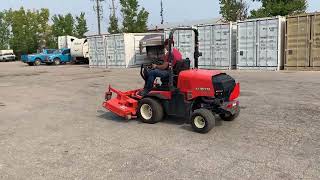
{"x": 133, "y": 21}
{"x": 233, "y": 10}
{"x": 28, "y": 29}
{"x": 62, "y": 26}
{"x": 81, "y": 25}
{"x": 113, "y": 25}
{"x": 279, "y": 7}
{"x": 4, "y": 31}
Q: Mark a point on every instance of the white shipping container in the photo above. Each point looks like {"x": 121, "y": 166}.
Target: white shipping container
{"x": 260, "y": 43}
{"x": 184, "y": 42}
{"x": 120, "y": 51}
{"x": 217, "y": 43}
{"x": 65, "y": 41}
{"x": 97, "y": 56}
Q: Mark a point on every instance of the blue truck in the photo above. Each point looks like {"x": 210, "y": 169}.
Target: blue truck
{"x": 48, "y": 56}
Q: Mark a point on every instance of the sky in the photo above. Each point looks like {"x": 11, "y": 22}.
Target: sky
{"x": 174, "y": 10}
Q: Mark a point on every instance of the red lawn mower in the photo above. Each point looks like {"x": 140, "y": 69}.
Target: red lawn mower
{"x": 194, "y": 94}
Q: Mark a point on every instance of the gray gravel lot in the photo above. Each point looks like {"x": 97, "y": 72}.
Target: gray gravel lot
{"x": 52, "y": 126}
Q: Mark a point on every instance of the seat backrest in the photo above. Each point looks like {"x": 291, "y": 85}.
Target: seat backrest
{"x": 182, "y": 65}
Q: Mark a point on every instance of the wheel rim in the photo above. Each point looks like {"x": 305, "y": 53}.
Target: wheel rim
{"x": 37, "y": 63}
{"x": 199, "y": 122}
{"x": 146, "y": 111}
{"x": 57, "y": 62}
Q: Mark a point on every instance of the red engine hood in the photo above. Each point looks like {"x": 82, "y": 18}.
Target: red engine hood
{"x": 197, "y": 81}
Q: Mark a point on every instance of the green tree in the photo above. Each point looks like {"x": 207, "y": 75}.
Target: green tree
{"x": 81, "y": 25}
{"x": 62, "y": 26}
{"x": 69, "y": 25}
{"x": 233, "y": 10}
{"x": 113, "y": 25}
{"x": 28, "y": 29}
{"x": 133, "y": 21}
{"x": 279, "y": 7}
{"x": 4, "y": 31}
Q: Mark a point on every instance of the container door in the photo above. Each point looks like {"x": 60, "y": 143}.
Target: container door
{"x": 120, "y": 50}
{"x": 110, "y": 44}
{"x": 205, "y": 45}
{"x": 184, "y": 42}
{"x": 92, "y": 51}
{"x": 297, "y": 48}
{"x": 315, "y": 40}
{"x": 247, "y": 44}
{"x": 221, "y": 46}
{"x": 268, "y": 43}
{"x": 115, "y": 51}
{"x": 101, "y": 59}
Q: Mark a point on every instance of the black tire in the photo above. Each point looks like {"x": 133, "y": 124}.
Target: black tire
{"x": 229, "y": 117}
{"x": 156, "y": 109}
{"x": 30, "y": 64}
{"x": 56, "y": 61}
{"x": 37, "y": 62}
{"x": 208, "y": 120}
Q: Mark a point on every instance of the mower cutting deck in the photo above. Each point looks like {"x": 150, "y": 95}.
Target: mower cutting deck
{"x": 194, "y": 94}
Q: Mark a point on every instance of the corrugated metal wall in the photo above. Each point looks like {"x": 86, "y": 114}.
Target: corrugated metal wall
{"x": 260, "y": 44}
{"x": 303, "y": 42}
{"x": 184, "y": 42}
{"x": 297, "y": 42}
{"x": 218, "y": 46}
{"x": 115, "y": 51}
{"x": 97, "y": 56}
{"x": 315, "y": 41}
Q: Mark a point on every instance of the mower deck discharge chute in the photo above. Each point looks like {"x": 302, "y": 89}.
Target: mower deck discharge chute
{"x": 194, "y": 94}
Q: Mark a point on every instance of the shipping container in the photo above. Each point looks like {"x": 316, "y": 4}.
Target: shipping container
{"x": 260, "y": 43}
{"x": 65, "y": 41}
{"x": 297, "y": 42}
{"x": 217, "y": 43}
{"x": 302, "y": 42}
{"x": 117, "y": 50}
{"x": 97, "y": 57}
{"x": 184, "y": 42}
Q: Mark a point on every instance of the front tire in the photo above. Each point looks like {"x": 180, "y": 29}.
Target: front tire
{"x": 56, "y": 61}
{"x": 150, "y": 111}
{"x": 30, "y": 64}
{"x": 202, "y": 120}
{"x": 37, "y": 62}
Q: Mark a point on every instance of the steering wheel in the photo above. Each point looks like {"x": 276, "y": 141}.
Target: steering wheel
{"x": 145, "y": 68}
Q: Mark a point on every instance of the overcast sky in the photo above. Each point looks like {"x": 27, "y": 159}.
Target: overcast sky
{"x": 174, "y": 10}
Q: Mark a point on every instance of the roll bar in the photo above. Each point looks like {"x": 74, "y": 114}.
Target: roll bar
{"x": 197, "y": 54}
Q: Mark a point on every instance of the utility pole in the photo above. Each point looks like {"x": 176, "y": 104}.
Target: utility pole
{"x": 113, "y": 9}
{"x": 98, "y": 16}
{"x": 161, "y": 12}
{"x": 99, "y": 10}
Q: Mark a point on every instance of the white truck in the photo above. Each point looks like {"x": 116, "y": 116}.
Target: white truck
{"x": 65, "y": 41}
{"x": 80, "y": 50}
{"x": 7, "y": 55}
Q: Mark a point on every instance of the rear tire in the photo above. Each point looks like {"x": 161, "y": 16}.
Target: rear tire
{"x": 150, "y": 111}
{"x": 202, "y": 120}
{"x": 37, "y": 62}
{"x": 229, "y": 117}
{"x": 56, "y": 61}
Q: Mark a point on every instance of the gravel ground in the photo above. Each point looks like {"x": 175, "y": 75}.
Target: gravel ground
{"x": 52, "y": 126}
